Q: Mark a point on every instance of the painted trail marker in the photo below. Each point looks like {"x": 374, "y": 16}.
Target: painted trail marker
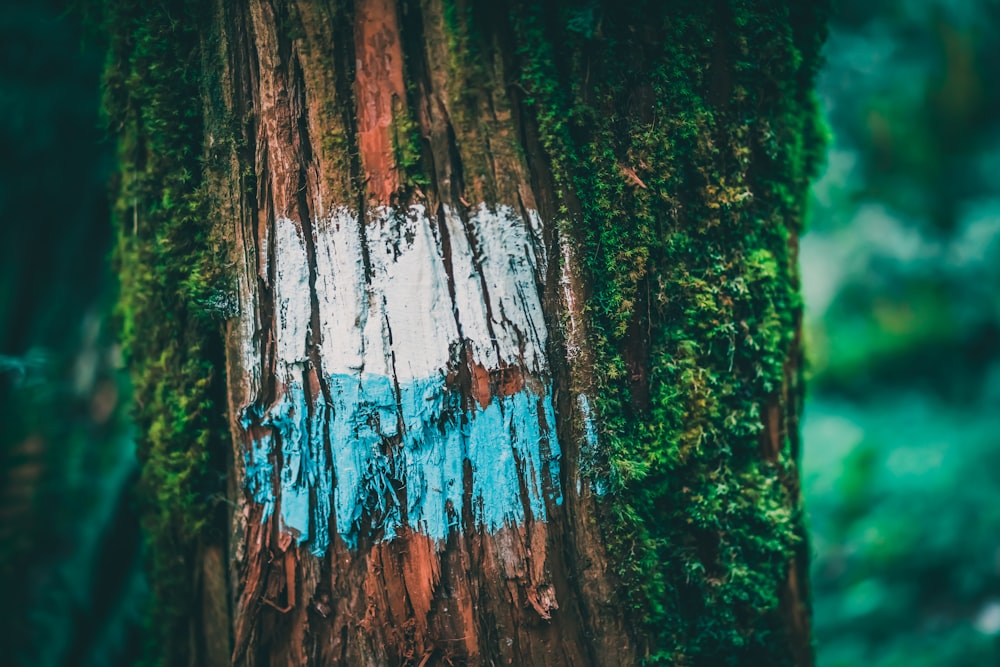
{"x": 425, "y": 395}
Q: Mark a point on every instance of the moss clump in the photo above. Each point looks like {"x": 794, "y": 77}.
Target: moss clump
{"x": 683, "y": 136}
{"x": 406, "y": 147}
{"x": 170, "y": 296}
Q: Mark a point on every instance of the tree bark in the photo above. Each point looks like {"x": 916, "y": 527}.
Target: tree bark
{"x": 507, "y": 300}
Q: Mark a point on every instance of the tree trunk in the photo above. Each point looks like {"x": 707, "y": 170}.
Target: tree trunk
{"x": 506, "y": 298}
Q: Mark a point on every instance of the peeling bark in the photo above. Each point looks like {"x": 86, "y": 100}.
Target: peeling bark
{"x": 393, "y": 399}
{"x": 412, "y": 395}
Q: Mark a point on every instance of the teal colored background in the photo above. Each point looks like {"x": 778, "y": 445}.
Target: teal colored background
{"x": 901, "y": 468}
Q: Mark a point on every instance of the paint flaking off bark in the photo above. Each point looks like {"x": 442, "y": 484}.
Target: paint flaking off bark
{"x": 387, "y": 441}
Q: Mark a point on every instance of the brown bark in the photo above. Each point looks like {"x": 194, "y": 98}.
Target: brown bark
{"x": 531, "y": 594}
{"x": 311, "y": 113}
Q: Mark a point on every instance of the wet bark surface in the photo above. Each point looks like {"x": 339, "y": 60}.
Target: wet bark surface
{"x": 327, "y": 95}
{"x": 410, "y": 363}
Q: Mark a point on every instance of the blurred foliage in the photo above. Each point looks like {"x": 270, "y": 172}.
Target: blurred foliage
{"x": 901, "y": 278}
{"x": 54, "y": 176}
{"x": 900, "y": 262}
{"x": 903, "y": 497}
{"x": 69, "y": 539}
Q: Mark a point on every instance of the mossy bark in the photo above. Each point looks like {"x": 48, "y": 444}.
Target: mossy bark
{"x": 645, "y": 166}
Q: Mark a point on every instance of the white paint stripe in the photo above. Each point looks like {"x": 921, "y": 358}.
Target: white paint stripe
{"x": 409, "y": 288}
{"x": 404, "y": 297}
{"x": 293, "y": 307}
{"x": 508, "y": 261}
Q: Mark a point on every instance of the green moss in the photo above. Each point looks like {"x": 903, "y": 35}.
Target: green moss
{"x": 171, "y": 293}
{"x": 683, "y": 136}
{"x": 406, "y": 147}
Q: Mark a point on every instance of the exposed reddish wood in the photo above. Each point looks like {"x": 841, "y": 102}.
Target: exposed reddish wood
{"x": 288, "y": 564}
{"x": 315, "y": 90}
{"x": 278, "y": 150}
{"x": 379, "y": 88}
{"x": 250, "y": 578}
{"x": 797, "y": 616}
{"x": 771, "y": 436}
{"x": 629, "y": 174}
{"x": 324, "y": 31}
{"x": 479, "y": 384}
{"x": 486, "y": 384}
{"x": 507, "y": 381}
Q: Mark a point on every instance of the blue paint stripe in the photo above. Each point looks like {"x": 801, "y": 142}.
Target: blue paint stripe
{"x": 420, "y": 441}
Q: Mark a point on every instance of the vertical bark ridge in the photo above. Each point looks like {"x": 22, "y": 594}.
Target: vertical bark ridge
{"x": 682, "y": 136}
{"x": 419, "y": 588}
{"x": 502, "y": 304}
{"x": 380, "y": 95}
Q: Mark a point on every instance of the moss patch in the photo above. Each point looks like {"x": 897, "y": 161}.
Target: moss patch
{"x": 683, "y": 136}
{"x": 171, "y": 296}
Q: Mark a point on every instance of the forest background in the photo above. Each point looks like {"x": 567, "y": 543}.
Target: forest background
{"x": 901, "y": 270}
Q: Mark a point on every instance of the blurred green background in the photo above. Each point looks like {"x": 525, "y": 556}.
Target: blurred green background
{"x": 900, "y": 268}
{"x": 70, "y": 567}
